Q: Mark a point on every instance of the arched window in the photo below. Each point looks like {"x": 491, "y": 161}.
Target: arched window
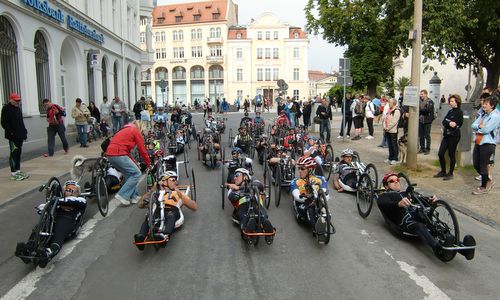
{"x": 42, "y": 69}
{"x": 179, "y": 73}
{"x": 104, "y": 77}
{"x": 218, "y": 32}
{"x": 115, "y": 78}
{"x": 9, "y": 68}
{"x": 197, "y": 72}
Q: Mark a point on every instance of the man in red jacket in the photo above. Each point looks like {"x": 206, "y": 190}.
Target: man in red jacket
{"x": 118, "y": 154}
{"x": 55, "y": 117}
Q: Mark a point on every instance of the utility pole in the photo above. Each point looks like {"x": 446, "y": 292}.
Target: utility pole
{"x": 416, "y": 57}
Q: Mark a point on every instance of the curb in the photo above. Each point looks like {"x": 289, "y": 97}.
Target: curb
{"x": 475, "y": 216}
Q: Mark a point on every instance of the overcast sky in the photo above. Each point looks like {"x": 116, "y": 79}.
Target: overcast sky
{"x": 322, "y": 56}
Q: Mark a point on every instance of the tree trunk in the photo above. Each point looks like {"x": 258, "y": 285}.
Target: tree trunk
{"x": 372, "y": 89}
{"x": 493, "y": 71}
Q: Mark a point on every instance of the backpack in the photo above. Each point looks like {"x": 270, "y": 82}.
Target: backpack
{"x": 376, "y": 110}
{"x": 359, "y": 109}
{"x": 62, "y": 111}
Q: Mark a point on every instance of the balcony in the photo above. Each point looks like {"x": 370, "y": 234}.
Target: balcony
{"x": 215, "y": 59}
{"x": 214, "y": 40}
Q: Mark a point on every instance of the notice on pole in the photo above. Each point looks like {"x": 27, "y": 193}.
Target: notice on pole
{"x": 411, "y": 96}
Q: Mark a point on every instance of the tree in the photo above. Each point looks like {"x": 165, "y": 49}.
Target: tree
{"x": 401, "y": 83}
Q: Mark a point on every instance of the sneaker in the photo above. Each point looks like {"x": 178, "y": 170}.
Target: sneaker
{"x": 235, "y": 217}
{"x": 66, "y": 152}
{"x": 47, "y": 155}
{"x": 394, "y": 162}
{"x": 386, "y": 161}
{"x": 348, "y": 136}
{"x": 122, "y": 200}
{"x": 139, "y": 238}
{"x": 480, "y": 191}
{"x": 17, "y": 177}
{"x": 268, "y": 228}
{"x": 42, "y": 257}
{"x": 469, "y": 241}
{"x": 339, "y": 137}
{"x": 320, "y": 228}
{"x": 370, "y": 137}
{"x": 478, "y": 178}
{"x": 448, "y": 177}
{"x": 159, "y": 237}
{"x": 489, "y": 185}
{"x": 440, "y": 174}
{"x": 135, "y": 199}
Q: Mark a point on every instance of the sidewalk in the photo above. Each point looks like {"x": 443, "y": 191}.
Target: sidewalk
{"x": 458, "y": 191}
{"x": 41, "y": 169}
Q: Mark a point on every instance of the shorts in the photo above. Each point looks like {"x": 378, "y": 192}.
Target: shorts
{"x": 358, "y": 121}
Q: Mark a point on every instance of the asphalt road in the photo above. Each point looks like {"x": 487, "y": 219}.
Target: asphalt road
{"x": 207, "y": 259}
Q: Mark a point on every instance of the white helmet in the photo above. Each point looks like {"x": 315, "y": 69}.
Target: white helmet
{"x": 347, "y": 152}
{"x": 242, "y": 171}
{"x": 167, "y": 175}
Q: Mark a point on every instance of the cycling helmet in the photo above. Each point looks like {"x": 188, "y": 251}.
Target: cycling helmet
{"x": 73, "y": 183}
{"x": 347, "y": 152}
{"x": 158, "y": 153}
{"x": 313, "y": 138}
{"x": 307, "y": 162}
{"x": 167, "y": 175}
{"x": 236, "y": 150}
{"x": 242, "y": 171}
{"x": 282, "y": 112}
{"x": 386, "y": 177}
{"x": 280, "y": 148}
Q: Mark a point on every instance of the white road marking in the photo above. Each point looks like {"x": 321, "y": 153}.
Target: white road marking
{"x": 28, "y": 284}
{"x": 429, "y": 288}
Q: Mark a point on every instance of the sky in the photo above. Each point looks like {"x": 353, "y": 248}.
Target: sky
{"x": 322, "y": 55}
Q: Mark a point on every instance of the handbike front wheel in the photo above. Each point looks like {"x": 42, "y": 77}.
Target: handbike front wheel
{"x": 444, "y": 223}
{"x": 364, "y": 195}
{"x": 102, "y": 196}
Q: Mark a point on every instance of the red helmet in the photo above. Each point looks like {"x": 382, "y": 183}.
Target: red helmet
{"x": 387, "y": 176}
{"x": 307, "y": 162}
{"x": 158, "y": 153}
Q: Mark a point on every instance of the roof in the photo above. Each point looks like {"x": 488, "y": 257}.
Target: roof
{"x": 317, "y": 75}
{"x": 187, "y": 12}
{"x": 302, "y": 33}
{"x": 233, "y": 32}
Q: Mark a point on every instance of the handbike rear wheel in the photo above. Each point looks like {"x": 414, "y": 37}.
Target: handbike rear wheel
{"x": 324, "y": 203}
{"x": 102, "y": 196}
{"x": 364, "y": 195}
{"x": 277, "y": 188}
{"x": 372, "y": 172}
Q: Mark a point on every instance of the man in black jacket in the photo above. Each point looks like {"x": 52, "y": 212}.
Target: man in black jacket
{"x": 426, "y": 116}
{"x": 16, "y": 133}
{"x": 324, "y": 112}
{"x": 138, "y": 107}
{"x": 348, "y": 117}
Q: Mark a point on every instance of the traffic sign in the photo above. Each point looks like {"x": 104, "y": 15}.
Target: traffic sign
{"x": 345, "y": 73}
{"x": 348, "y": 80}
{"x": 344, "y": 64}
{"x": 410, "y": 96}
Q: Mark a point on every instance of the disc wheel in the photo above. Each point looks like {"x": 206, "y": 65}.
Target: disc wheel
{"x": 328, "y": 162}
{"x": 371, "y": 170}
{"x": 268, "y": 181}
{"x": 277, "y": 188}
{"x": 364, "y": 195}
{"x": 102, "y": 196}
{"x": 444, "y": 223}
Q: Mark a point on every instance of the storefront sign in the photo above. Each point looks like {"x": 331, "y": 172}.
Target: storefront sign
{"x": 74, "y": 24}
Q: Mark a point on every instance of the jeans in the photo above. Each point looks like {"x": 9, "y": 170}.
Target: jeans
{"x": 130, "y": 172}
{"x": 324, "y": 126}
{"x": 16, "y": 147}
{"x": 52, "y": 130}
{"x": 117, "y": 123}
{"x": 392, "y": 143}
{"x": 82, "y": 134}
{"x": 369, "y": 123}
{"x": 292, "y": 119}
{"x": 383, "y": 142}
{"x": 449, "y": 143}
{"x": 424, "y": 134}
{"x": 481, "y": 156}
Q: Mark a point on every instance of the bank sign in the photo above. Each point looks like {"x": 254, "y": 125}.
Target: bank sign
{"x": 57, "y": 15}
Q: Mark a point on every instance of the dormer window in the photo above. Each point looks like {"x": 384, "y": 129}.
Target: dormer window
{"x": 238, "y": 35}
{"x": 296, "y": 35}
{"x": 215, "y": 16}
{"x": 178, "y": 19}
{"x": 196, "y": 17}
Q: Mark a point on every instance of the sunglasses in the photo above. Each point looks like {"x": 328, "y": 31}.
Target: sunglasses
{"x": 393, "y": 180}
{"x": 69, "y": 190}
{"x": 302, "y": 168}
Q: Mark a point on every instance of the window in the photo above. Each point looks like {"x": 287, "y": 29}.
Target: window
{"x": 268, "y": 35}
{"x": 259, "y": 53}
{"x": 157, "y": 37}
{"x": 41, "y": 67}
{"x": 295, "y": 73}
{"x": 196, "y": 51}
{"x": 176, "y": 52}
{"x": 162, "y": 36}
{"x": 259, "y": 35}
{"x": 175, "y": 35}
{"x": 163, "y": 53}
{"x": 196, "y": 17}
{"x": 239, "y": 53}
{"x": 238, "y": 36}
{"x": 218, "y": 32}
{"x": 268, "y": 53}
{"x": 181, "y": 52}
{"x": 275, "y": 35}
{"x": 158, "y": 53}
{"x": 216, "y": 50}
{"x": 276, "y": 72}
{"x": 144, "y": 21}
{"x": 215, "y": 16}
{"x": 181, "y": 35}
{"x": 259, "y": 74}
{"x": 268, "y": 74}
{"x": 296, "y": 53}
{"x": 239, "y": 94}
{"x": 142, "y": 37}
{"x": 178, "y": 19}
{"x": 239, "y": 74}
{"x": 295, "y": 94}
{"x": 296, "y": 35}
{"x": 193, "y": 34}
{"x": 197, "y": 72}
{"x": 212, "y": 32}
{"x": 198, "y": 34}
{"x": 276, "y": 53}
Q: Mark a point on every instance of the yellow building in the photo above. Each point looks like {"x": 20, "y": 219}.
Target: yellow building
{"x": 264, "y": 52}
{"x": 189, "y": 41}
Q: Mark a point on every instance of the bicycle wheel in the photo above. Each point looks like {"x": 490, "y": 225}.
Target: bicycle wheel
{"x": 277, "y": 188}
{"x": 222, "y": 187}
{"x": 151, "y": 216}
{"x": 54, "y": 189}
{"x": 372, "y": 172}
{"x": 444, "y": 223}
{"x": 364, "y": 195}
{"x": 186, "y": 161}
{"x": 42, "y": 232}
{"x": 101, "y": 194}
{"x": 328, "y": 161}
{"x": 324, "y": 204}
{"x": 404, "y": 181}
{"x": 193, "y": 186}
{"x": 268, "y": 184}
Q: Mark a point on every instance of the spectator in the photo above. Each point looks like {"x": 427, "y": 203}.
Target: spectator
{"x": 281, "y": 106}
{"x": 138, "y": 107}
{"x": 385, "y": 110}
{"x": 94, "y": 112}
{"x": 391, "y": 131}
{"x": 306, "y": 113}
{"x": 485, "y": 143}
{"x": 426, "y": 116}
{"x": 369, "y": 114}
{"x": 118, "y": 153}
{"x": 237, "y": 103}
{"x": 377, "y": 104}
{"x": 105, "y": 110}
{"x": 324, "y": 112}
{"x": 81, "y": 114}
{"x": 55, "y": 117}
{"x": 246, "y": 103}
{"x": 451, "y": 136}
{"x": 258, "y": 102}
{"x": 346, "y": 117}
{"x": 118, "y": 111}
{"x": 217, "y": 103}
{"x": 358, "y": 114}
{"x": 16, "y": 133}
{"x": 292, "y": 108}
{"x": 224, "y": 106}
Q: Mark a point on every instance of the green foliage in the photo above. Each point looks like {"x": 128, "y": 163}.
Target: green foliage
{"x": 401, "y": 83}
